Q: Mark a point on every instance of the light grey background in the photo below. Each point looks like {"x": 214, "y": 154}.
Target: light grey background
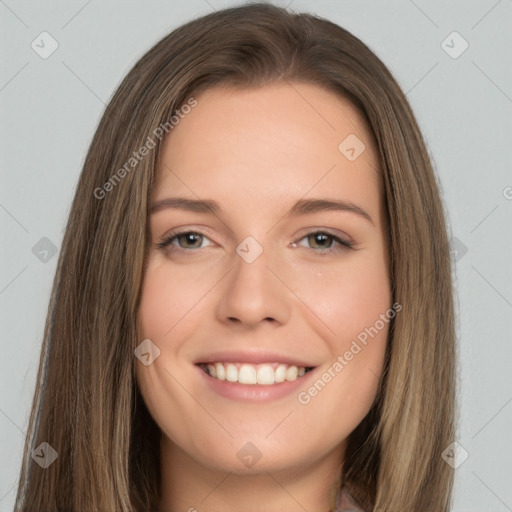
{"x": 50, "y": 109}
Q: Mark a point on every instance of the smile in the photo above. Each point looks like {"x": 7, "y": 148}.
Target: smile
{"x": 252, "y": 374}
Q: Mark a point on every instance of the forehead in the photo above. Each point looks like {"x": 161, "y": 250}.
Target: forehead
{"x": 273, "y": 144}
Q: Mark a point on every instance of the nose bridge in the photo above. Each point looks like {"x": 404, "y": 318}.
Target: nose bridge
{"x": 252, "y": 292}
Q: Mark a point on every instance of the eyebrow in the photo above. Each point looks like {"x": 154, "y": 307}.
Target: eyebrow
{"x": 301, "y": 207}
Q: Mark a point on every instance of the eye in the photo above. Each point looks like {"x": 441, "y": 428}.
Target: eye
{"x": 187, "y": 237}
{"x": 322, "y": 238}
{"x": 192, "y": 238}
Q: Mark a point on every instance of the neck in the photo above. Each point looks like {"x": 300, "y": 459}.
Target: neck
{"x": 190, "y": 486}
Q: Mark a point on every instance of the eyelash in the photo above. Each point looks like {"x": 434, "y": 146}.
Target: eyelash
{"x": 344, "y": 244}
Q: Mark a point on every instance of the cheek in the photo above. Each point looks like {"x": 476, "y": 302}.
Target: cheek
{"x": 345, "y": 297}
{"x": 352, "y": 314}
{"x": 156, "y": 303}
{"x": 171, "y": 298}
{"x": 359, "y": 320}
{"x": 171, "y": 308}
{"x": 166, "y": 316}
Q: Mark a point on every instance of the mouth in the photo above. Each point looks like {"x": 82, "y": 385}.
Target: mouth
{"x": 266, "y": 374}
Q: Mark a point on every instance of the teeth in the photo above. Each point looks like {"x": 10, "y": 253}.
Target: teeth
{"x": 247, "y": 374}
{"x": 219, "y": 370}
{"x": 212, "y": 370}
{"x": 292, "y": 372}
{"x": 280, "y": 373}
{"x": 265, "y": 374}
{"x": 231, "y": 373}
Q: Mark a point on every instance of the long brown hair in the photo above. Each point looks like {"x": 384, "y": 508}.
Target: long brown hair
{"x": 87, "y": 406}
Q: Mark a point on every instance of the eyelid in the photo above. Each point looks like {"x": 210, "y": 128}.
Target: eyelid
{"x": 165, "y": 239}
{"x": 336, "y": 233}
{"x": 188, "y": 228}
{"x": 341, "y": 243}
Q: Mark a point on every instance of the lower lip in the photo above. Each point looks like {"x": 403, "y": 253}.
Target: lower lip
{"x": 254, "y": 392}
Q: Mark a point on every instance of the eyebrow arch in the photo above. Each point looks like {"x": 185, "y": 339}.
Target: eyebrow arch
{"x": 301, "y": 207}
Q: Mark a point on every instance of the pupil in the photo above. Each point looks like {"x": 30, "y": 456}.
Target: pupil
{"x": 190, "y": 238}
{"x": 319, "y": 237}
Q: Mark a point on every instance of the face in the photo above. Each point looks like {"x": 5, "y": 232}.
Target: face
{"x": 269, "y": 305}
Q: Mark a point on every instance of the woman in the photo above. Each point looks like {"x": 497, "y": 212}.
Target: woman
{"x": 253, "y": 368}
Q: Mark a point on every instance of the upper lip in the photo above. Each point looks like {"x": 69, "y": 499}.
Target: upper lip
{"x": 252, "y": 357}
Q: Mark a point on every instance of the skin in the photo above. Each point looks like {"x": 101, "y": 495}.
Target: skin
{"x": 256, "y": 152}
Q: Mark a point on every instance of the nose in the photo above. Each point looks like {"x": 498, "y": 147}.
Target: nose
{"x": 253, "y": 292}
